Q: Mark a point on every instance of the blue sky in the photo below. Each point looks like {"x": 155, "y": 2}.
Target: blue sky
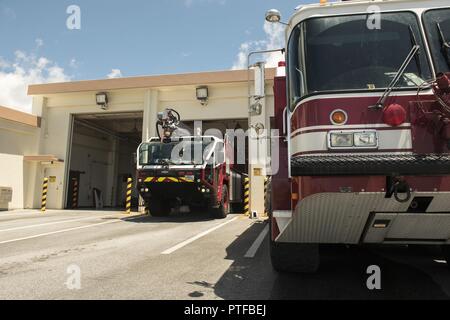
{"x": 136, "y": 36}
{"x": 127, "y": 38}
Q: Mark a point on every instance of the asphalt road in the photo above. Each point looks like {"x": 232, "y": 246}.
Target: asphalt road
{"x": 189, "y": 257}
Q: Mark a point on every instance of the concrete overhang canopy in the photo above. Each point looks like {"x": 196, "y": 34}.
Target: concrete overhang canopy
{"x": 204, "y": 78}
{"x": 20, "y": 117}
{"x": 43, "y": 159}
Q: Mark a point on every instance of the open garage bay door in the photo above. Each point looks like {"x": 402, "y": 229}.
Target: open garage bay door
{"x": 102, "y": 158}
{"x": 222, "y": 126}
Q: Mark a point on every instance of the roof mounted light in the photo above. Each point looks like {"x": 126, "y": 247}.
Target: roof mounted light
{"x": 273, "y": 16}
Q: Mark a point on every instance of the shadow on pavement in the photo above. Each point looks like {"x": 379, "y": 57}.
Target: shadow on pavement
{"x": 174, "y": 218}
{"x": 342, "y": 275}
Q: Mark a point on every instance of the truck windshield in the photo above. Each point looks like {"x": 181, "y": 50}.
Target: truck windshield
{"x": 437, "y": 26}
{"x": 348, "y": 53}
{"x": 175, "y": 153}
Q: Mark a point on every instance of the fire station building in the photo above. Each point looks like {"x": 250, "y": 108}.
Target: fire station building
{"x": 72, "y": 133}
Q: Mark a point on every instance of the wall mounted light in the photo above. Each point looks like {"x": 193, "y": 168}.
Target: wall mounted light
{"x": 202, "y": 95}
{"x": 102, "y": 100}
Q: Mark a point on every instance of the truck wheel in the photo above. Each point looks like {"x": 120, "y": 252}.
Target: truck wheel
{"x": 197, "y": 208}
{"x": 158, "y": 208}
{"x": 295, "y": 257}
{"x": 446, "y": 254}
{"x": 224, "y": 207}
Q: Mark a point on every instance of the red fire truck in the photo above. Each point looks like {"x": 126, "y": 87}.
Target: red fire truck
{"x": 178, "y": 168}
{"x": 366, "y": 100}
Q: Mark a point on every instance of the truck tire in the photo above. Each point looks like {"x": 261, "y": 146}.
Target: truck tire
{"x": 158, "y": 208}
{"x": 224, "y": 208}
{"x": 197, "y": 208}
{"x": 294, "y": 257}
{"x": 446, "y": 254}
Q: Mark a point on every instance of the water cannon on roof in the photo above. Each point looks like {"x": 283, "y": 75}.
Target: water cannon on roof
{"x": 168, "y": 121}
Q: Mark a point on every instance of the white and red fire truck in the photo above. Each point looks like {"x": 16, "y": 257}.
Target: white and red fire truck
{"x": 179, "y": 169}
{"x": 367, "y": 145}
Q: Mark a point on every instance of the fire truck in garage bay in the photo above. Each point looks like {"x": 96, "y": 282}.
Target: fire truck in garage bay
{"x": 178, "y": 168}
{"x": 366, "y": 103}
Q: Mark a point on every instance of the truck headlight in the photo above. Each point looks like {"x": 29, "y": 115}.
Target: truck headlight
{"x": 341, "y": 140}
{"x": 365, "y": 139}
{"x": 353, "y": 139}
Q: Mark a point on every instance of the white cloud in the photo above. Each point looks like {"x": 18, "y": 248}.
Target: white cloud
{"x": 73, "y": 63}
{"x": 39, "y": 42}
{"x": 4, "y": 63}
{"x": 115, "y": 73}
{"x": 274, "y": 40}
{"x": 26, "y": 69}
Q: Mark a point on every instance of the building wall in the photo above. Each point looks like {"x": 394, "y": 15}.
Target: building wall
{"x": 11, "y": 176}
{"x": 17, "y": 140}
{"x": 227, "y": 101}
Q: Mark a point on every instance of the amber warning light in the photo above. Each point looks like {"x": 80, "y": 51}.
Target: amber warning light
{"x": 338, "y": 117}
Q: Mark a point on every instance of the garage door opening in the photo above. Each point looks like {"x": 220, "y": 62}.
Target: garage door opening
{"x": 223, "y": 126}
{"x": 102, "y": 159}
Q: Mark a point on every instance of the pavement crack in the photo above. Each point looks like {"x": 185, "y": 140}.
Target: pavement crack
{"x": 203, "y": 284}
{"x": 19, "y": 265}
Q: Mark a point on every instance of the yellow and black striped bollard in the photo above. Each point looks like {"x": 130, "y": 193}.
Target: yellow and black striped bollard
{"x": 75, "y": 194}
{"x": 266, "y": 183}
{"x": 44, "y": 195}
{"x": 128, "y": 198}
{"x": 247, "y": 196}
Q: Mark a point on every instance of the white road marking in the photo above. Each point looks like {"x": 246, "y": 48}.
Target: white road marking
{"x": 52, "y": 223}
{"x": 67, "y": 230}
{"x": 255, "y": 246}
{"x": 194, "y": 238}
{"x": 440, "y": 261}
{"x": 17, "y": 213}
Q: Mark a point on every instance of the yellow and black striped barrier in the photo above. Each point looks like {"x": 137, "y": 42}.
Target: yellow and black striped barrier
{"x": 168, "y": 179}
{"x": 128, "y": 198}
{"x": 247, "y": 196}
{"x": 44, "y": 195}
{"x": 75, "y": 194}
{"x": 266, "y": 184}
